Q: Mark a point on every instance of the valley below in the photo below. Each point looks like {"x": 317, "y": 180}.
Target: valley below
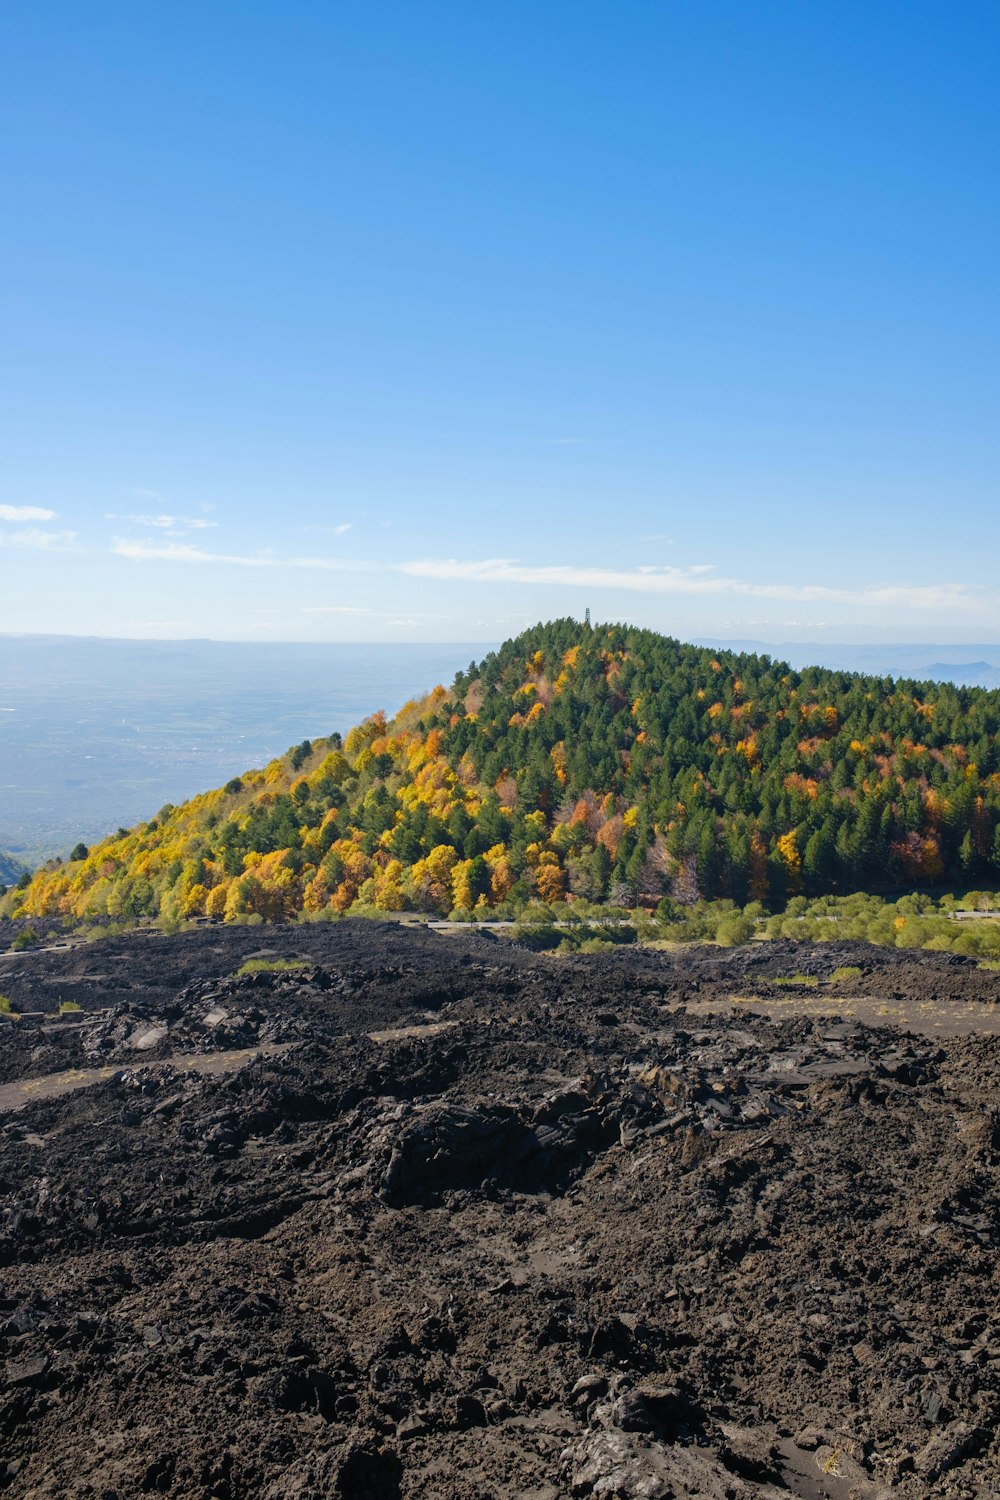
{"x": 354, "y": 1209}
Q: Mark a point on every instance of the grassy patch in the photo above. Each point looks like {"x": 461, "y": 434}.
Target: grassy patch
{"x": 847, "y": 971}
{"x": 271, "y": 966}
{"x": 6, "y": 1009}
{"x": 809, "y": 980}
{"x": 69, "y": 1006}
{"x": 989, "y": 963}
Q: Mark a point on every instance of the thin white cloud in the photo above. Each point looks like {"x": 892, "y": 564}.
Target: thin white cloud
{"x": 165, "y": 522}
{"x": 26, "y": 513}
{"x": 343, "y": 528}
{"x": 694, "y": 581}
{"x": 34, "y": 539}
{"x": 186, "y": 552}
{"x": 699, "y": 581}
{"x": 334, "y": 609}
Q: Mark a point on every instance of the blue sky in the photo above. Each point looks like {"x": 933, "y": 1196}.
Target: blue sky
{"x": 395, "y": 321}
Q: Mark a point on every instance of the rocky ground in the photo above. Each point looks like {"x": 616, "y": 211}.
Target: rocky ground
{"x": 431, "y": 1216}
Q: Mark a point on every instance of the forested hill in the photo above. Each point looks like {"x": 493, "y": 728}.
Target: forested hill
{"x": 577, "y": 761}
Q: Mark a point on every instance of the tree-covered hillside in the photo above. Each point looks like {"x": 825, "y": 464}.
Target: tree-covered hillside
{"x": 577, "y": 761}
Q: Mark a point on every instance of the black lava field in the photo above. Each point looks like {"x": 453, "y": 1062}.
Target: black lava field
{"x": 429, "y": 1215}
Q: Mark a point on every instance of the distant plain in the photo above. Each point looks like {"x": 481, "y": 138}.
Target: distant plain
{"x": 100, "y": 733}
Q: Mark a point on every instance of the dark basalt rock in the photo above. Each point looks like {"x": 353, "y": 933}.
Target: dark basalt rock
{"x": 462, "y": 1237}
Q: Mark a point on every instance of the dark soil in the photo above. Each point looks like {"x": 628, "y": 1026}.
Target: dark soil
{"x": 491, "y": 1224}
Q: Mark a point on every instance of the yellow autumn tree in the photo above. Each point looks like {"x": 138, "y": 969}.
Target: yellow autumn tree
{"x": 388, "y": 895}
{"x": 791, "y": 859}
{"x": 428, "y": 881}
{"x": 462, "y": 895}
{"x": 501, "y": 873}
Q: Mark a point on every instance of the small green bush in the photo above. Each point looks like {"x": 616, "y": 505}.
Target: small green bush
{"x": 68, "y": 1006}
{"x": 845, "y": 972}
{"x": 734, "y": 930}
{"x": 537, "y": 935}
{"x": 594, "y": 945}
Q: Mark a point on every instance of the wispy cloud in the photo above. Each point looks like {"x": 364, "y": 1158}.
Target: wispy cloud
{"x": 34, "y": 539}
{"x": 343, "y": 528}
{"x": 26, "y": 513}
{"x": 186, "y": 552}
{"x": 334, "y": 609}
{"x": 699, "y": 580}
{"x": 165, "y": 522}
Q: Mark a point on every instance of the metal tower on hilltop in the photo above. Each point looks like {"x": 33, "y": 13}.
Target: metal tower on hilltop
{"x": 586, "y": 617}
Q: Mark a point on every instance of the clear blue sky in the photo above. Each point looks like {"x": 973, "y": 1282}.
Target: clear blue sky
{"x": 422, "y": 321}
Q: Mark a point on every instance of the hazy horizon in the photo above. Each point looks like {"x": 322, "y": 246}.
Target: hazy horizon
{"x": 735, "y": 643}
{"x": 97, "y": 733}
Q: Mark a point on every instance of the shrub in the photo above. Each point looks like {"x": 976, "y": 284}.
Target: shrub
{"x": 735, "y": 929}
{"x": 595, "y": 945}
{"x": 537, "y": 935}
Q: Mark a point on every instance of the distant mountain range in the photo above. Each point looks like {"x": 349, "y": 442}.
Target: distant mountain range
{"x": 966, "y": 665}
